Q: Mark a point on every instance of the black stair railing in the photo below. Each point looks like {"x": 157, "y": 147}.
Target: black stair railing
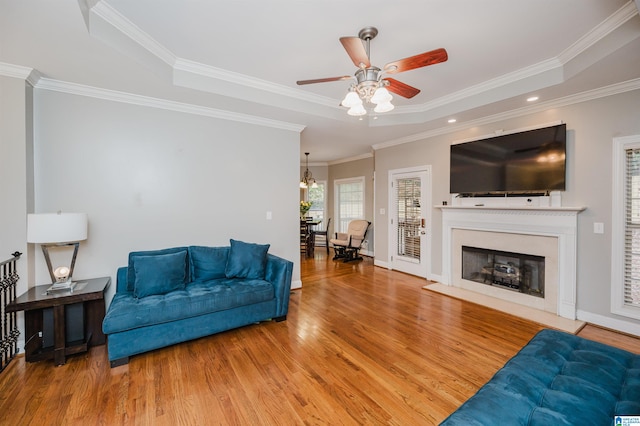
{"x": 8, "y": 323}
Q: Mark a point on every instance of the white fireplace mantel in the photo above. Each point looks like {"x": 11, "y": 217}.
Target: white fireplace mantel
{"x": 559, "y": 222}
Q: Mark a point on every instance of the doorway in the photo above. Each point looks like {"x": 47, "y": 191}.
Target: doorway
{"x": 410, "y": 220}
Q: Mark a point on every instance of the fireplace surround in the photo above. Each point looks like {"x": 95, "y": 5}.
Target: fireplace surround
{"x": 550, "y": 232}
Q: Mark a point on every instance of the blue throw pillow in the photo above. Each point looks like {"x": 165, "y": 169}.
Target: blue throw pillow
{"x": 247, "y": 260}
{"x": 208, "y": 263}
{"x": 159, "y": 274}
{"x": 131, "y": 272}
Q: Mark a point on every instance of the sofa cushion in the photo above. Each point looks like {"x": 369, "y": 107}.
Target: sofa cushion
{"x": 246, "y": 260}
{"x": 197, "y": 298}
{"x": 131, "y": 273}
{"x": 208, "y": 263}
{"x": 159, "y": 274}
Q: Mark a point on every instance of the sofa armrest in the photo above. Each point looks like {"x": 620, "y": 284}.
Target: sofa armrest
{"x": 279, "y": 272}
{"x": 121, "y": 280}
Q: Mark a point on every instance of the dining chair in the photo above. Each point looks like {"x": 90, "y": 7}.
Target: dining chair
{"x": 322, "y": 234}
{"x": 306, "y": 240}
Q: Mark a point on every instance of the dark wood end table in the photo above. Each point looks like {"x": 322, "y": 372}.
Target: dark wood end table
{"x": 63, "y": 322}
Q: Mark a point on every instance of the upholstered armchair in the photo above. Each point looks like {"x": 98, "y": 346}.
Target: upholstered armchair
{"x": 347, "y": 244}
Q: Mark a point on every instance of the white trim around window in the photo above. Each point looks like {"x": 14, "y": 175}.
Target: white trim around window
{"x": 618, "y": 224}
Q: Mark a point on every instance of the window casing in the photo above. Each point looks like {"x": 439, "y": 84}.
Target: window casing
{"x": 317, "y": 196}
{"x": 349, "y": 201}
{"x": 625, "y": 252}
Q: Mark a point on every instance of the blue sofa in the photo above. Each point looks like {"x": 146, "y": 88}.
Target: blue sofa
{"x": 557, "y": 379}
{"x": 177, "y": 294}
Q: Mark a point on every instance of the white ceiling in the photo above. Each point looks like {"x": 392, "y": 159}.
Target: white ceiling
{"x": 244, "y": 56}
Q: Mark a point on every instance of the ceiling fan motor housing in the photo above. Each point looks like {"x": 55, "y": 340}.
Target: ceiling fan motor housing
{"x": 367, "y": 82}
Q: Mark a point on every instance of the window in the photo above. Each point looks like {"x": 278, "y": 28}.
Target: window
{"x": 317, "y": 197}
{"x": 625, "y": 264}
{"x": 349, "y": 201}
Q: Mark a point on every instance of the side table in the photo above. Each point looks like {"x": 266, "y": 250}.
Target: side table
{"x": 63, "y": 322}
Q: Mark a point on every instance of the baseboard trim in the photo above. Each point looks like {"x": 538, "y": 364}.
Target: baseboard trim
{"x": 615, "y": 324}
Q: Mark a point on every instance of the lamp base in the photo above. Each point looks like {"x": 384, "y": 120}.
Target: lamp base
{"x": 64, "y": 286}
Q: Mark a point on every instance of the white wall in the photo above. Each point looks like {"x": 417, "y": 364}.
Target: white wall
{"x": 16, "y": 181}
{"x": 591, "y": 127}
{"x": 151, "y": 178}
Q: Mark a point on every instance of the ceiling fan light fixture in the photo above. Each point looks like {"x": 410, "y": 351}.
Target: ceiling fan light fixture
{"x": 351, "y": 99}
{"x": 357, "y": 110}
{"x": 369, "y": 86}
{"x": 381, "y": 96}
{"x": 384, "y": 107}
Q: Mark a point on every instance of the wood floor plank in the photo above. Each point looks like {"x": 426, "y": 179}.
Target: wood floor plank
{"x": 361, "y": 345}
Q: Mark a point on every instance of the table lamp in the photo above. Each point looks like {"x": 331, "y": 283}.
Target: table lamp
{"x": 57, "y": 230}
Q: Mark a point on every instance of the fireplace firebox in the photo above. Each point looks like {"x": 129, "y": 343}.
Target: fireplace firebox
{"x": 519, "y": 272}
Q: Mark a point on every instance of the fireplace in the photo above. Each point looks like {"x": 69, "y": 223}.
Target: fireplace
{"x": 519, "y": 272}
{"x": 546, "y": 232}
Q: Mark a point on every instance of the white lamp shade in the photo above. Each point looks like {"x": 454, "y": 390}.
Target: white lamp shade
{"x": 52, "y": 228}
{"x": 384, "y": 107}
{"x": 357, "y": 110}
{"x": 381, "y": 96}
{"x": 352, "y": 99}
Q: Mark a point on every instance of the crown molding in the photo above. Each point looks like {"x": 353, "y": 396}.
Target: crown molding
{"x": 316, "y": 164}
{"x": 203, "y": 77}
{"x": 611, "y": 90}
{"x": 487, "y": 86}
{"x": 248, "y": 81}
{"x": 184, "y": 72}
{"x": 30, "y": 75}
{"x": 350, "y": 159}
{"x": 110, "y": 15}
{"x": 598, "y": 33}
{"x": 146, "y": 101}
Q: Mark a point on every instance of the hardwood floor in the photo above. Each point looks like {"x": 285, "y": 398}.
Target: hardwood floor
{"x": 361, "y": 345}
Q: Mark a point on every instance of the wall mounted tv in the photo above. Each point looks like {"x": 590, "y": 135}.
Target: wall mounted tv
{"x": 533, "y": 161}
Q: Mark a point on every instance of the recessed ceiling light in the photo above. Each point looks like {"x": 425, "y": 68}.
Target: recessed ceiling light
{"x": 451, "y": 120}
{"x": 532, "y": 99}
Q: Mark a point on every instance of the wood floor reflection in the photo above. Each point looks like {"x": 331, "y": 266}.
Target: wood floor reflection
{"x": 361, "y": 345}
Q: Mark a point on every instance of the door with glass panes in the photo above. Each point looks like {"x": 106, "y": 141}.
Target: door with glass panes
{"x": 409, "y": 220}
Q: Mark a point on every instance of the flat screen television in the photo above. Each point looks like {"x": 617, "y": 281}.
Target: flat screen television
{"x": 524, "y": 162}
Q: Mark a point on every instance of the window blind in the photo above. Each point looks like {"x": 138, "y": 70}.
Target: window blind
{"x": 632, "y": 228}
{"x": 350, "y": 205}
{"x": 407, "y": 225}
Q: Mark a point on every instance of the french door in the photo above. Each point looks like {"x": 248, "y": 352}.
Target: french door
{"x": 409, "y": 208}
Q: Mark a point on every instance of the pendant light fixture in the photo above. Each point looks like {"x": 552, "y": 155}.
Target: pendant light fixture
{"x": 307, "y": 179}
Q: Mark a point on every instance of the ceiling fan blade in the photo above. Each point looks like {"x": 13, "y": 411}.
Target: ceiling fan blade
{"x": 356, "y": 51}
{"x": 417, "y": 61}
{"x": 324, "y": 80}
{"x": 402, "y": 89}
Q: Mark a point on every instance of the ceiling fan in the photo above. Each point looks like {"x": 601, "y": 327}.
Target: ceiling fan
{"x": 369, "y": 78}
